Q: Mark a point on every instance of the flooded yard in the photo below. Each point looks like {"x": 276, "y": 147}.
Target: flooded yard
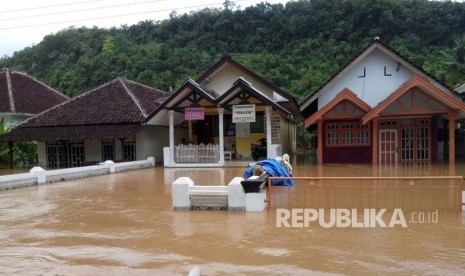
{"x": 123, "y": 224}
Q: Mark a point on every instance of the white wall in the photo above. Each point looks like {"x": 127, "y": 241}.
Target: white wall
{"x": 375, "y": 86}
{"x": 224, "y": 79}
{"x": 93, "y": 149}
{"x": 42, "y": 154}
{"x": 151, "y": 140}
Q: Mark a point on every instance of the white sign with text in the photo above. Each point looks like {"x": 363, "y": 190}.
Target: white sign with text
{"x": 244, "y": 113}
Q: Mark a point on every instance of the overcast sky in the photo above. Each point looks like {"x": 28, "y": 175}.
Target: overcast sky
{"x": 25, "y": 22}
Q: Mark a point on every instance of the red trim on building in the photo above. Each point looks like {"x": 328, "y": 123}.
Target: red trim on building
{"x": 345, "y": 95}
{"x": 422, "y": 84}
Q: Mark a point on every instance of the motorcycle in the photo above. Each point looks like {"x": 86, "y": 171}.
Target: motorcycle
{"x": 259, "y": 151}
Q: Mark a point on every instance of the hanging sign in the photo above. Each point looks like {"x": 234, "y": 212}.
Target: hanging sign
{"x": 244, "y": 113}
{"x": 194, "y": 113}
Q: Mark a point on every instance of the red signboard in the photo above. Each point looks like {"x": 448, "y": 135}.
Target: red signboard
{"x": 194, "y": 113}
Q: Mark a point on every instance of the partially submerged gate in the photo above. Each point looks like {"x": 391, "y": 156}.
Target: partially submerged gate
{"x": 409, "y": 193}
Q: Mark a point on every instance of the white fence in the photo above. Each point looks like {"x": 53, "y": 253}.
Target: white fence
{"x": 37, "y": 175}
{"x": 197, "y": 153}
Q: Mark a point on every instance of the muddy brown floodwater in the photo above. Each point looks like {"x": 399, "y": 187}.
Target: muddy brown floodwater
{"x": 123, "y": 224}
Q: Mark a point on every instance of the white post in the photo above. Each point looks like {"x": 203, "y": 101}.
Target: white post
{"x": 221, "y": 134}
{"x": 236, "y": 195}
{"x": 40, "y": 174}
{"x": 268, "y": 131}
{"x": 110, "y": 164}
{"x": 171, "y": 114}
{"x": 180, "y": 192}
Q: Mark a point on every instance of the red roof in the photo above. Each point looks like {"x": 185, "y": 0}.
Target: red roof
{"x": 118, "y": 101}
{"x": 20, "y": 93}
{"x": 115, "y": 109}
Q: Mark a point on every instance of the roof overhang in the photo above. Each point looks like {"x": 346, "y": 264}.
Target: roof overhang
{"x": 427, "y": 88}
{"x": 240, "y": 86}
{"x": 75, "y": 132}
{"x": 189, "y": 94}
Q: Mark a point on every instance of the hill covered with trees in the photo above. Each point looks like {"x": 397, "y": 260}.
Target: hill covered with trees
{"x": 297, "y": 46}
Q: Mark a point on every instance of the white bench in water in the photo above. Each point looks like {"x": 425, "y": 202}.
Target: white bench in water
{"x": 186, "y": 195}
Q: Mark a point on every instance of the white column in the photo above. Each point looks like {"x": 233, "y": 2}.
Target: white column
{"x": 268, "y": 130}
{"x": 171, "y": 114}
{"x": 221, "y": 133}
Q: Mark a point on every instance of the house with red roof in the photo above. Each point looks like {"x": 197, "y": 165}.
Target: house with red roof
{"x": 22, "y": 96}
{"x": 383, "y": 109}
{"x": 106, "y": 123}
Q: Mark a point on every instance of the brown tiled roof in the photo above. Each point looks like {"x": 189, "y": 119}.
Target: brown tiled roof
{"x": 20, "y": 93}
{"x": 147, "y": 97}
{"x": 118, "y": 101}
{"x": 115, "y": 109}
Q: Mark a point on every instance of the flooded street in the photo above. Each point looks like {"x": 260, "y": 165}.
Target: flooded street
{"x": 123, "y": 224}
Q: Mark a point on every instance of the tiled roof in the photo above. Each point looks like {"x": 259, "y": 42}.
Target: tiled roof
{"x": 115, "y": 102}
{"x": 20, "y": 93}
{"x": 115, "y": 110}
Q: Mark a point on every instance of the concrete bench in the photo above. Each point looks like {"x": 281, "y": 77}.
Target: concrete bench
{"x": 209, "y": 197}
{"x": 187, "y": 196}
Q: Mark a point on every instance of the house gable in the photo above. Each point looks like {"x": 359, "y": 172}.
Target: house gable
{"x": 346, "y": 105}
{"x": 372, "y": 79}
{"x": 373, "y": 75}
{"x": 226, "y": 75}
{"x": 242, "y": 92}
{"x": 415, "y": 97}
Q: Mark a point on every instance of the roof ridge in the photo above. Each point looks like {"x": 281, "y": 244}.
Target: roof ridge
{"x": 10, "y": 91}
{"x": 133, "y": 97}
{"x": 147, "y": 86}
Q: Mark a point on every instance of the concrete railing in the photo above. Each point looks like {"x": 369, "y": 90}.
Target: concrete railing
{"x": 187, "y": 196}
{"x": 37, "y": 175}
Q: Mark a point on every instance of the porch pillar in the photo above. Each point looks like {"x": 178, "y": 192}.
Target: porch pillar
{"x": 319, "y": 123}
{"x": 451, "y": 117}
{"x": 171, "y": 115}
{"x": 374, "y": 141}
{"x": 221, "y": 133}
{"x": 268, "y": 130}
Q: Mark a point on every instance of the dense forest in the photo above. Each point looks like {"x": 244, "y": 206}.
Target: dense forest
{"x": 297, "y": 46}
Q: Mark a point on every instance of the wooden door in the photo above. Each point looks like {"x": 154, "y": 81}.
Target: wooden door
{"x": 388, "y": 146}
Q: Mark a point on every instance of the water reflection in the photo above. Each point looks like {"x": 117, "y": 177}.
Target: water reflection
{"x": 124, "y": 224}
